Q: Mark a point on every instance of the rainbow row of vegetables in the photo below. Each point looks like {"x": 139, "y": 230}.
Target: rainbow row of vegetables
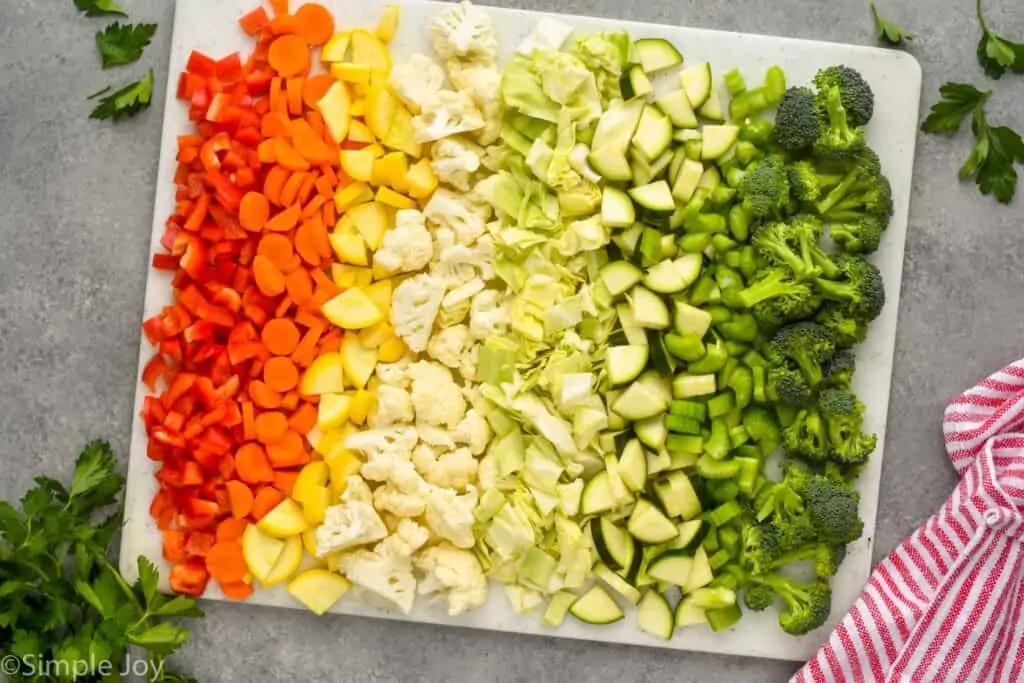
{"x": 443, "y": 326}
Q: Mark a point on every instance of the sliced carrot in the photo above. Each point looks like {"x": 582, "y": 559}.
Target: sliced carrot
{"x": 280, "y": 374}
{"x": 290, "y": 191}
{"x": 299, "y": 286}
{"x": 279, "y": 6}
{"x": 274, "y": 182}
{"x": 324, "y": 188}
{"x": 252, "y": 465}
{"x": 271, "y": 427}
{"x": 289, "y": 452}
{"x": 240, "y": 497}
{"x": 264, "y": 397}
{"x": 330, "y": 342}
{"x": 248, "y": 421}
{"x": 284, "y": 481}
{"x": 321, "y": 239}
{"x": 312, "y": 208}
{"x": 306, "y": 350}
{"x": 307, "y": 187}
{"x": 226, "y": 563}
{"x": 277, "y": 248}
{"x": 316, "y": 122}
{"x": 278, "y": 104}
{"x": 265, "y": 152}
{"x": 254, "y": 211}
{"x": 269, "y": 277}
{"x": 283, "y": 25}
{"x": 284, "y": 221}
{"x": 276, "y": 125}
{"x": 267, "y": 498}
{"x": 325, "y": 283}
{"x": 255, "y": 21}
{"x": 308, "y": 144}
{"x": 291, "y": 400}
{"x": 232, "y": 528}
{"x": 288, "y": 156}
{"x": 239, "y": 590}
{"x": 289, "y": 55}
{"x": 305, "y": 242}
{"x": 280, "y": 336}
{"x": 330, "y": 215}
{"x": 293, "y": 94}
{"x": 308, "y": 319}
{"x": 331, "y": 175}
{"x": 315, "y": 88}
{"x": 315, "y": 23}
{"x": 303, "y": 419}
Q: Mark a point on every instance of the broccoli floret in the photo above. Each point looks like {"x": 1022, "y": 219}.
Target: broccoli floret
{"x": 844, "y": 416}
{"x": 859, "y": 287}
{"x": 840, "y": 142}
{"x": 764, "y": 189}
{"x": 798, "y": 122}
{"x": 806, "y": 344}
{"x": 831, "y": 504}
{"x": 774, "y": 313}
{"x": 862, "y": 173}
{"x": 826, "y": 558}
{"x": 874, "y": 199}
{"x": 839, "y": 371}
{"x": 807, "y": 231}
{"x": 807, "y": 436}
{"x": 845, "y": 330}
{"x": 774, "y": 283}
{"x": 759, "y": 596}
{"x": 807, "y": 604}
{"x": 807, "y": 184}
{"x": 857, "y": 96}
{"x": 778, "y": 505}
{"x": 779, "y": 244}
{"x": 787, "y": 385}
{"x": 861, "y": 236}
{"x": 760, "y": 546}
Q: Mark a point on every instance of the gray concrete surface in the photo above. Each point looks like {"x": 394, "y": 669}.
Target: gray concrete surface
{"x": 76, "y": 202}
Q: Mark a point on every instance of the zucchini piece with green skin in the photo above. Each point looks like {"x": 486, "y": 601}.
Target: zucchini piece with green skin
{"x": 690, "y": 320}
{"x": 649, "y": 310}
{"x": 654, "y": 615}
{"x": 718, "y": 140}
{"x": 619, "y": 277}
{"x": 617, "y": 210}
{"x": 677, "y": 107}
{"x": 652, "y": 432}
{"x": 596, "y": 607}
{"x": 617, "y": 583}
{"x": 656, "y": 196}
{"x": 658, "y": 462}
{"x": 633, "y": 465}
{"x": 701, "y": 575}
{"x": 614, "y": 545}
{"x": 668, "y": 277}
{"x": 656, "y": 54}
{"x": 611, "y": 164}
{"x": 629, "y": 239}
{"x": 672, "y": 566}
{"x": 639, "y": 402}
{"x": 625, "y": 363}
{"x": 597, "y": 495}
{"x": 657, "y": 383}
{"x": 617, "y": 125}
{"x": 677, "y": 496}
{"x": 687, "y": 180}
{"x": 653, "y": 133}
{"x": 648, "y": 524}
{"x": 712, "y": 108}
{"x": 689, "y": 614}
{"x": 635, "y": 83}
{"x": 696, "y": 81}
{"x": 691, "y": 535}
{"x": 635, "y": 335}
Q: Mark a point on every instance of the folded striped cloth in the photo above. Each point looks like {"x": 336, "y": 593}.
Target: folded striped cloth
{"x": 948, "y": 603}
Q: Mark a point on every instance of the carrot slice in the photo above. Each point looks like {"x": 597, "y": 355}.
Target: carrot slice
{"x": 280, "y": 374}
{"x": 248, "y": 421}
{"x": 288, "y": 156}
{"x": 274, "y": 183}
{"x": 275, "y": 125}
{"x": 293, "y": 94}
{"x": 252, "y": 465}
{"x": 280, "y": 336}
{"x": 310, "y": 145}
{"x": 284, "y": 480}
{"x": 324, "y": 188}
{"x": 278, "y": 104}
{"x": 291, "y": 400}
{"x": 283, "y": 24}
{"x": 269, "y": 277}
{"x": 232, "y": 528}
{"x": 289, "y": 55}
{"x": 306, "y": 189}
{"x": 290, "y": 191}
{"x": 315, "y": 88}
{"x": 265, "y": 152}
{"x": 303, "y": 419}
{"x": 306, "y": 350}
{"x": 226, "y": 563}
{"x": 240, "y": 497}
{"x": 305, "y": 242}
{"x": 284, "y": 221}
{"x": 330, "y": 343}
{"x": 321, "y": 240}
{"x": 264, "y": 397}
{"x": 238, "y": 590}
{"x": 279, "y": 6}
{"x": 313, "y": 207}
{"x": 266, "y": 500}
{"x": 254, "y": 211}
{"x": 277, "y": 248}
{"x": 315, "y": 23}
{"x": 299, "y": 286}
{"x": 289, "y": 452}
{"x": 330, "y": 215}
{"x": 255, "y": 21}
{"x": 271, "y": 427}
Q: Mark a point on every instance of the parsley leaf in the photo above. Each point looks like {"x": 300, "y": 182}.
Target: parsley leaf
{"x": 98, "y": 8}
{"x": 148, "y": 579}
{"x": 958, "y": 101}
{"x": 95, "y": 464}
{"x": 121, "y": 44}
{"x": 126, "y": 102}
{"x": 163, "y": 639}
{"x": 888, "y": 32}
{"x": 997, "y": 54}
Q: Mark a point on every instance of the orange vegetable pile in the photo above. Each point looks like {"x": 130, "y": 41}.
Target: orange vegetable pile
{"x": 248, "y": 249}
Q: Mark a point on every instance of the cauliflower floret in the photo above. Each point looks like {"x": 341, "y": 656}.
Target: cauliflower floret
{"x": 393, "y": 405}
{"x": 450, "y": 515}
{"x": 465, "y": 32}
{"x": 435, "y": 436}
{"x": 470, "y": 362}
{"x": 417, "y": 81}
{"x": 406, "y": 247}
{"x": 458, "y": 264}
{"x": 450, "y": 112}
{"x": 454, "y": 470}
{"x": 389, "y": 498}
{"x": 489, "y": 315}
{"x": 414, "y": 308}
{"x": 483, "y": 84}
{"x": 383, "y": 572}
{"x": 466, "y": 218}
{"x": 394, "y": 374}
{"x": 455, "y": 572}
{"x": 407, "y": 538}
{"x": 388, "y": 453}
{"x": 455, "y": 161}
{"x": 436, "y": 397}
{"x": 354, "y": 522}
{"x": 456, "y": 303}
{"x": 474, "y": 431}
{"x": 450, "y": 344}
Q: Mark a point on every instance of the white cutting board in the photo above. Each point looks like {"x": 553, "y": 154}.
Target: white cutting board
{"x": 896, "y": 78}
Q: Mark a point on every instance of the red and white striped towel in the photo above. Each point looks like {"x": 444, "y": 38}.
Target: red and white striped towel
{"x": 948, "y": 603}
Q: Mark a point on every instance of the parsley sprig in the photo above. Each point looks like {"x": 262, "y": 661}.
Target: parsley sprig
{"x": 61, "y": 599}
{"x": 997, "y": 149}
{"x": 888, "y": 32}
{"x": 997, "y": 54}
{"x": 121, "y": 44}
{"x": 98, "y": 8}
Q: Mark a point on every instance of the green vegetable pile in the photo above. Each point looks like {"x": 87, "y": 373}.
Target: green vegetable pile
{"x": 66, "y": 613}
